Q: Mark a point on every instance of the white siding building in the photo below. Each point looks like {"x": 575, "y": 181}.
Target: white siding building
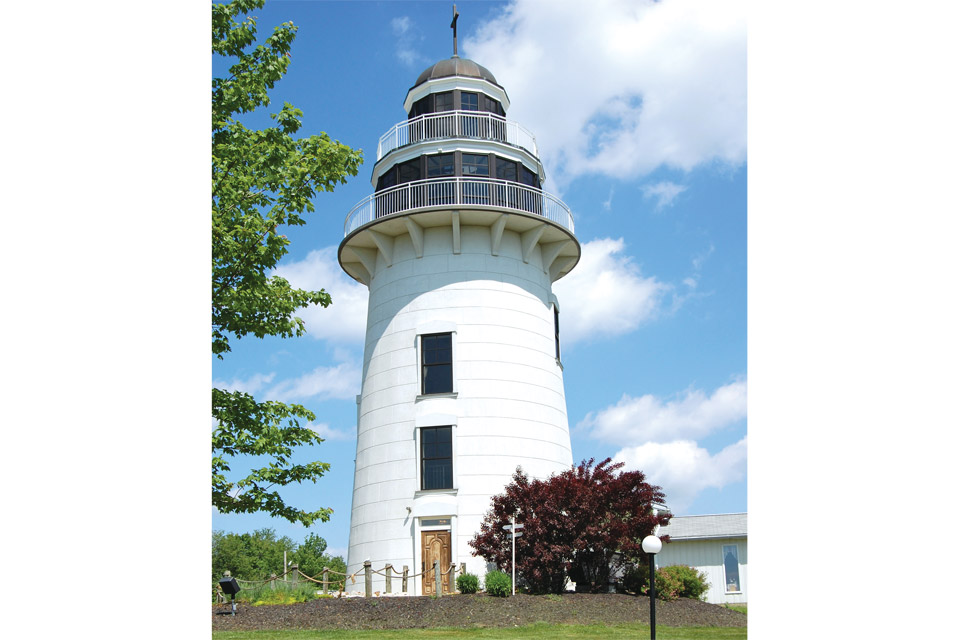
{"x": 714, "y": 544}
{"x": 462, "y": 380}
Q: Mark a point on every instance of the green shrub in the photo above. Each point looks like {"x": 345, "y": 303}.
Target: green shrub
{"x": 668, "y": 585}
{"x": 672, "y": 582}
{"x": 287, "y": 593}
{"x": 497, "y": 583}
{"x": 467, "y": 583}
{"x": 693, "y": 583}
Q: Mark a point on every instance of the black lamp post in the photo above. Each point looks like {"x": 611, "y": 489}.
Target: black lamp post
{"x": 651, "y": 546}
{"x": 231, "y": 588}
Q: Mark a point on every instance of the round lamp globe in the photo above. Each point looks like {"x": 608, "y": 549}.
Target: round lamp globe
{"x": 651, "y": 544}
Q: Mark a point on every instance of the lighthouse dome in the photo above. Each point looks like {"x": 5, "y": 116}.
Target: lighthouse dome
{"x": 456, "y": 66}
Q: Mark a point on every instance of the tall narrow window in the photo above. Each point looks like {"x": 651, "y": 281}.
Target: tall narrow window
{"x": 731, "y": 568}
{"x": 436, "y": 458}
{"x": 556, "y": 329}
{"x": 436, "y": 359}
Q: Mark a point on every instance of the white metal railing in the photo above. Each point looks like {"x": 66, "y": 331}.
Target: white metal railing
{"x": 474, "y": 193}
{"x": 456, "y": 124}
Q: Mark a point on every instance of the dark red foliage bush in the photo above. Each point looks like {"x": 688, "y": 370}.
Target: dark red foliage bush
{"x": 573, "y": 522}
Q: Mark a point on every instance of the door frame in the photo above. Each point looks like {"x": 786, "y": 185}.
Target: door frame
{"x": 446, "y": 583}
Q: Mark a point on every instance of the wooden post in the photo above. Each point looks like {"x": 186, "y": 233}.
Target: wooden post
{"x": 463, "y": 568}
{"x": 406, "y": 570}
{"x": 273, "y": 581}
{"x": 295, "y": 572}
{"x": 389, "y": 581}
{"x": 436, "y": 577}
{"x": 326, "y": 571}
{"x": 367, "y": 579}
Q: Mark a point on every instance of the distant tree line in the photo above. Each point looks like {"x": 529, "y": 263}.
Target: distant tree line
{"x": 254, "y": 556}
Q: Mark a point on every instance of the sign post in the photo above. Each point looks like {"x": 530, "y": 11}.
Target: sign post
{"x": 514, "y": 534}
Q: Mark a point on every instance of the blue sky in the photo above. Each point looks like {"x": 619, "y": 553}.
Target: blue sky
{"x": 640, "y": 113}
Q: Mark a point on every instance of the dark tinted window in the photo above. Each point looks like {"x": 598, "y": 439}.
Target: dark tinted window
{"x": 469, "y": 102}
{"x": 409, "y": 171}
{"x": 491, "y": 105}
{"x": 476, "y": 165}
{"x": 436, "y": 458}
{"x": 436, "y": 359}
{"x": 388, "y": 179}
{"x": 444, "y": 101}
{"x": 440, "y": 165}
{"x": 527, "y": 176}
{"x": 420, "y": 107}
{"x": 506, "y": 169}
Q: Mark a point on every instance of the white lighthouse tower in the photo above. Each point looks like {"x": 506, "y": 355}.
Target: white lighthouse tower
{"x": 462, "y": 380}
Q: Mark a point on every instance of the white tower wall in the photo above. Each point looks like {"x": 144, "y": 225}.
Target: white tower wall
{"x": 507, "y": 410}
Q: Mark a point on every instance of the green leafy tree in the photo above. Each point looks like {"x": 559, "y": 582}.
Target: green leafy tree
{"x": 250, "y": 556}
{"x": 262, "y": 180}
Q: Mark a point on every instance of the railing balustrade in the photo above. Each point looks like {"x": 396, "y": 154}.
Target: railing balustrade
{"x": 456, "y": 124}
{"x": 460, "y": 192}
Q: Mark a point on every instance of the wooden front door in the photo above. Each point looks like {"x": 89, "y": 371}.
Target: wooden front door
{"x": 435, "y": 546}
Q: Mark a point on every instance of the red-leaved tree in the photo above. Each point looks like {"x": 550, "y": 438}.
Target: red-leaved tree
{"x": 574, "y": 523}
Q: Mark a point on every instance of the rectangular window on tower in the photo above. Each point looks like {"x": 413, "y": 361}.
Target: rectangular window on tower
{"x": 436, "y": 363}
{"x": 556, "y": 331}
{"x": 436, "y": 458}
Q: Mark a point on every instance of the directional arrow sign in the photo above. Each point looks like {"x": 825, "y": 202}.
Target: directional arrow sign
{"x": 511, "y": 527}
{"x": 517, "y": 534}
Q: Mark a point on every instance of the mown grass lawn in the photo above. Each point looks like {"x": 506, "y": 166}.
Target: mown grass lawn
{"x": 535, "y": 632}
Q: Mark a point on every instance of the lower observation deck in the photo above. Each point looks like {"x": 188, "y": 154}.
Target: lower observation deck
{"x": 539, "y": 218}
{"x": 458, "y": 192}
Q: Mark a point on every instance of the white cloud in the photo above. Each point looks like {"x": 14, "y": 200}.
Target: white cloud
{"x": 406, "y": 35}
{"x": 345, "y": 320}
{"x": 327, "y": 432}
{"x": 621, "y": 87}
{"x": 665, "y": 192}
{"x": 251, "y": 385}
{"x": 605, "y": 294}
{"x": 341, "y": 381}
{"x": 650, "y": 419}
{"x": 683, "y": 469}
{"x": 400, "y": 25}
{"x": 609, "y": 201}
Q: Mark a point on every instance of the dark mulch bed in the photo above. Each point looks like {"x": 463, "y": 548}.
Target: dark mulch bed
{"x": 476, "y": 610}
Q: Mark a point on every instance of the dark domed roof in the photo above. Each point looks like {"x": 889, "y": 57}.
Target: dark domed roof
{"x": 456, "y": 66}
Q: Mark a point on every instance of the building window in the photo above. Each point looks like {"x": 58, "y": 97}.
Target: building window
{"x": 436, "y": 458}
{"x": 476, "y": 165}
{"x": 556, "y": 329}
{"x": 420, "y": 107}
{"x": 444, "y": 101}
{"x": 409, "y": 171}
{"x": 469, "y": 101}
{"x": 436, "y": 359}
{"x": 528, "y": 177}
{"x": 731, "y": 568}
{"x": 506, "y": 169}
{"x": 491, "y": 105}
{"x": 440, "y": 165}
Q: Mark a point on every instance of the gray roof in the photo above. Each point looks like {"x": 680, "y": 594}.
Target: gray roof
{"x": 724, "y": 525}
{"x": 456, "y": 66}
